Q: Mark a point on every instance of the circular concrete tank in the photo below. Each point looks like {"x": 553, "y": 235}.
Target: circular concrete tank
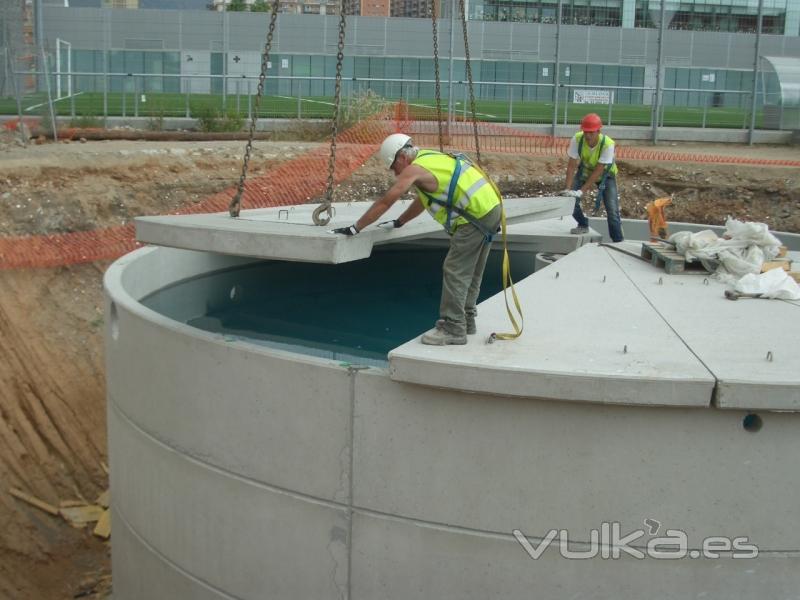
{"x": 243, "y": 470}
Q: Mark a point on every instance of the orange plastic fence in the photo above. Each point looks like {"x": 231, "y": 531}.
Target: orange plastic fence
{"x": 304, "y": 179}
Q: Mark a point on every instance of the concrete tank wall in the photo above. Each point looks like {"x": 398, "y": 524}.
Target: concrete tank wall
{"x": 239, "y": 471}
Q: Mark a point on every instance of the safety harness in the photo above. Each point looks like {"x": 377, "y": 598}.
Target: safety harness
{"x": 461, "y": 162}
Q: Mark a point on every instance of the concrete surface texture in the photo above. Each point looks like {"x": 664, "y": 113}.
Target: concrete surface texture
{"x": 288, "y": 233}
{"x": 655, "y": 339}
{"x": 240, "y": 471}
{"x": 590, "y": 335}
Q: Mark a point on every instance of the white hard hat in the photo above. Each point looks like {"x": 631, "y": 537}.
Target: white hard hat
{"x": 390, "y": 146}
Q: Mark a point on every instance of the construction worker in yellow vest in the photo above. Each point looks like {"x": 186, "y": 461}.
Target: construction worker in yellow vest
{"x": 460, "y": 197}
{"x": 591, "y": 162}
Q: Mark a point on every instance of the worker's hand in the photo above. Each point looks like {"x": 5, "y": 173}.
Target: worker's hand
{"x": 571, "y": 193}
{"x": 351, "y": 230}
{"x": 393, "y": 224}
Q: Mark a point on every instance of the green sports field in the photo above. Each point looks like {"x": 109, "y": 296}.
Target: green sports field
{"x": 88, "y": 107}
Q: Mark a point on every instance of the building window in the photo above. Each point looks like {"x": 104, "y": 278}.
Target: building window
{"x": 698, "y": 16}
{"x": 574, "y": 12}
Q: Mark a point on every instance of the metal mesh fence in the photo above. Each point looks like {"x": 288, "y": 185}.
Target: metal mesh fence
{"x": 95, "y": 64}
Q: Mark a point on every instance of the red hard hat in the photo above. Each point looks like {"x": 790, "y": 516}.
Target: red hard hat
{"x": 591, "y": 122}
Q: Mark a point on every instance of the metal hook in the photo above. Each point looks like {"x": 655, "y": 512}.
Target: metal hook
{"x": 604, "y": 278}
{"x": 322, "y": 208}
{"x": 769, "y": 355}
{"x": 705, "y": 281}
{"x": 557, "y": 274}
{"x": 625, "y": 349}
{"x": 282, "y": 211}
{"x": 660, "y": 281}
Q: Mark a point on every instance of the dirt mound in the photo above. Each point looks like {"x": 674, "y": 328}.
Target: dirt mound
{"x": 52, "y": 424}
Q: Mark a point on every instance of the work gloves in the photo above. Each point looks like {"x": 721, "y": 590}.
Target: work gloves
{"x": 393, "y": 224}
{"x": 350, "y": 230}
{"x": 353, "y": 230}
{"x": 586, "y": 200}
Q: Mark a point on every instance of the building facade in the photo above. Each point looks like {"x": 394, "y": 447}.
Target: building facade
{"x": 368, "y": 8}
{"x": 208, "y": 52}
{"x": 779, "y": 17}
{"x": 420, "y": 9}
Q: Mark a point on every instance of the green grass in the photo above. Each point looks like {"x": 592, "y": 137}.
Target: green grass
{"x": 175, "y": 105}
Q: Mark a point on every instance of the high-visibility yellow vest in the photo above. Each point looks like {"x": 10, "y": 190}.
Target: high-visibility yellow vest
{"x": 589, "y": 157}
{"x": 473, "y": 194}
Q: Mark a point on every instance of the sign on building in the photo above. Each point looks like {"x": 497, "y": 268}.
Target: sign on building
{"x": 592, "y": 96}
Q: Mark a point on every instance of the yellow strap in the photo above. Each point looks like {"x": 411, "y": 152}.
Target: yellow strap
{"x": 507, "y": 281}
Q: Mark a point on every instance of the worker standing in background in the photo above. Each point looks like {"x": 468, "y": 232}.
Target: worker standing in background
{"x": 461, "y": 198}
{"x": 591, "y": 162}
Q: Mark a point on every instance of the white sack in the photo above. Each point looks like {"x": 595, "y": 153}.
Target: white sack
{"x": 775, "y": 283}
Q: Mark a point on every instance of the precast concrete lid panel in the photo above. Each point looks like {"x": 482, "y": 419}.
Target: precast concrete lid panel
{"x": 749, "y": 345}
{"x": 287, "y": 233}
{"x": 590, "y": 335}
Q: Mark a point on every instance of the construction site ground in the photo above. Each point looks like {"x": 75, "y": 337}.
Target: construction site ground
{"x": 52, "y": 394}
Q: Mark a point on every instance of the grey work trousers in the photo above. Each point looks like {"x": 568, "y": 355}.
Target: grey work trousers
{"x": 462, "y": 272}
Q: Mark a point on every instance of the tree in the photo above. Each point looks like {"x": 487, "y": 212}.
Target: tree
{"x": 236, "y": 6}
{"x": 260, "y": 6}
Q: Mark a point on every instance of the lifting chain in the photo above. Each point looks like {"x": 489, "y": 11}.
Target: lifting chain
{"x": 436, "y": 72}
{"x": 469, "y": 79}
{"x": 236, "y": 202}
{"x": 325, "y": 207}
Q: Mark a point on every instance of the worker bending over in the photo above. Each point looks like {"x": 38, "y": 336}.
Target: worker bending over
{"x": 591, "y": 162}
{"x": 458, "y": 195}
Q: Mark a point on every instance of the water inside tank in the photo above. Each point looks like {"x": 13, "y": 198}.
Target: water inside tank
{"x": 353, "y": 312}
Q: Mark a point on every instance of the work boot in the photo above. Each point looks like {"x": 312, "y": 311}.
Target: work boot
{"x": 471, "y": 327}
{"x": 441, "y": 337}
{"x": 579, "y": 230}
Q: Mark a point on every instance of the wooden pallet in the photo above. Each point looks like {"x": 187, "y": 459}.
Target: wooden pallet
{"x": 664, "y": 255}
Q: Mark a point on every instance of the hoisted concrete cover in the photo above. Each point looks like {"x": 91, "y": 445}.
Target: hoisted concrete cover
{"x": 287, "y": 233}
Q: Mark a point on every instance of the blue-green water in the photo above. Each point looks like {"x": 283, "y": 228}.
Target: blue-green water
{"x": 353, "y": 312}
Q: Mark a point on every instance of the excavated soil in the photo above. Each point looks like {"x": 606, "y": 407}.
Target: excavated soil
{"x": 52, "y": 397}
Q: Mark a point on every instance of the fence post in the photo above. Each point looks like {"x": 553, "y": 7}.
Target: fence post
{"x": 752, "y": 115}
{"x": 557, "y": 68}
{"x": 299, "y": 102}
{"x": 238, "y": 95}
{"x": 136, "y": 97}
{"x": 756, "y": 65}
{"x": 188, "y": 112}
{"x": 705, "y": 110}
{"x": 566, "y": 103}
{"x": 53, "y": 117}
{"x": 72, "y": 96}
{"x": 610, "y": 104}
{"x": 16, "y": 86}
{"x": 510, "y": 104}
{"x": 249, "y": 99}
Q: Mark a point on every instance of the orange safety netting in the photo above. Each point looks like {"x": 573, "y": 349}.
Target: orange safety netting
{"x": 304, "y": 179}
